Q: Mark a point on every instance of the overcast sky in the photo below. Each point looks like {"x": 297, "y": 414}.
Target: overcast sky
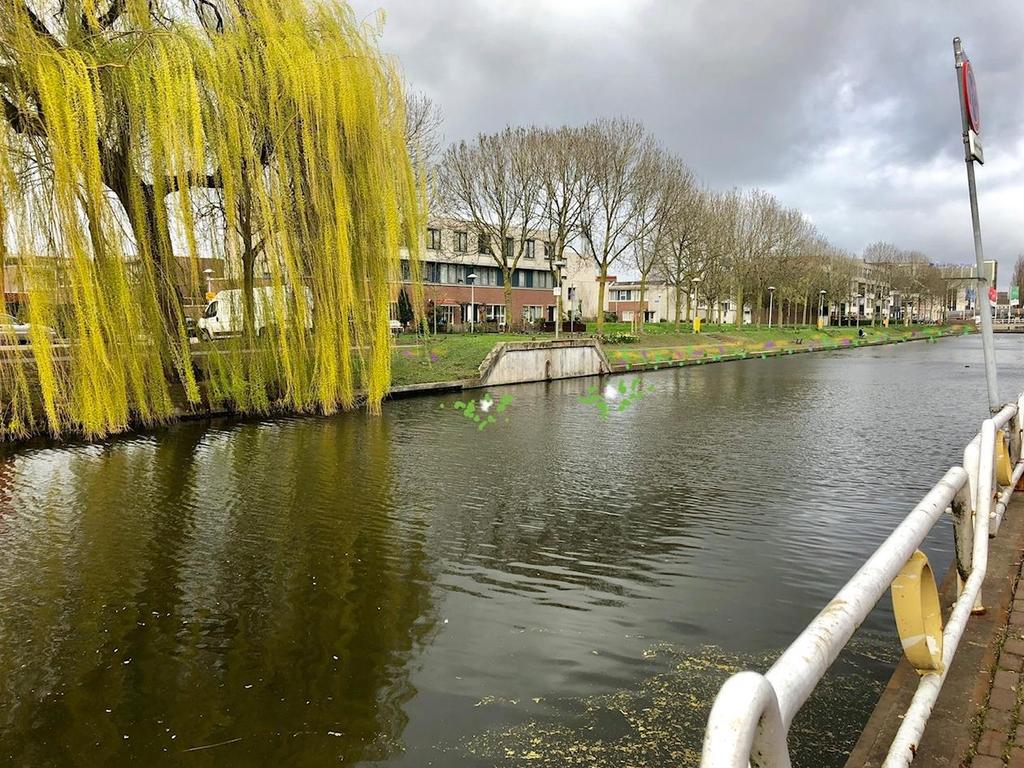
{"x": 846, "y": 110}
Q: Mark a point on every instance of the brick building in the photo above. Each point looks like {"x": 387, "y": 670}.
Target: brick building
{"x": 462, "y": 280}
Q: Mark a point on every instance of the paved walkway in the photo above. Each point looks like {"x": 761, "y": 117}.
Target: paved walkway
{"x": 978, "y": 720}
{"x": 1001, "y": 739}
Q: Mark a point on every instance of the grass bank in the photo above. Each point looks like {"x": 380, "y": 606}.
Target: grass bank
{"x": 452, "y": 357}
{"x": 716, "y": 343}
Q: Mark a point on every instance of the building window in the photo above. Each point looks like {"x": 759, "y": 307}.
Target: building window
{"x": 496, "y": 313}
{"x": 483, "y": 244}
{"x": 551, "y": 312}
{"x": 549, "y": 250}
{"x": 530, "y": 251}
{"x": 433, "y": 239}
{"x": 510, "y": 247}
{"x": 523, "y": 278}
{"x": 461, "y": 241}
{"x": 532, "y": 313}
{"x": 444, "y": 314}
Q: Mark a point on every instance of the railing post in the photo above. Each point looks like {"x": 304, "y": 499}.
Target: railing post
{"x": 972, "y": 459}
{"x": 1016, "y": 427}
{"x": 745, "y": 726}
{"x": 963, "y": 537}
{"x": 986, "y": 483}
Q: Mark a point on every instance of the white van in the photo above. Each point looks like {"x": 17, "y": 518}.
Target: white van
{"x": 223, "y": 316}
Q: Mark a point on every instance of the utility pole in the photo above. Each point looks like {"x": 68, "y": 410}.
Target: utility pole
{"x": 970, "y": 120}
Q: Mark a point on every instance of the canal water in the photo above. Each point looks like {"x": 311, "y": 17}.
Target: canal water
{"x": 552, "y": 587}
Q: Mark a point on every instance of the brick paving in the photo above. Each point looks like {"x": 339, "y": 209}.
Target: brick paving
{"x": 1000, "y": 743}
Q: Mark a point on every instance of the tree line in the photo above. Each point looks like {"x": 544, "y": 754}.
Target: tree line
{"x": 611, "y": 190}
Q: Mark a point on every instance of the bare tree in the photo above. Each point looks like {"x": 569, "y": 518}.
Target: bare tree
{"x": 766, "y": 235}
{"x": 565, "y": 187}
{"x": 619, "y": 155}
{"x": 673, "y": 186}
{"x": 423, "y": 122}
{"x": 493, "y": 183}
{"x": 717, "y": 248}
{"x": 679, "y": 259}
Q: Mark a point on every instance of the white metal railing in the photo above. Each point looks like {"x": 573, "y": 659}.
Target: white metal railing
{"x": 751, "y": 716}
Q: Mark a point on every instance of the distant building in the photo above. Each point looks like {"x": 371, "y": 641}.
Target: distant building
{"x": 461, "y": 280}
{"x": 962, "y": 286}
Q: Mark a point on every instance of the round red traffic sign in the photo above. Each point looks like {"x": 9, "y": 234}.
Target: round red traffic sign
{"x": 993, "y": 295}
{"x": 971, "y": 97}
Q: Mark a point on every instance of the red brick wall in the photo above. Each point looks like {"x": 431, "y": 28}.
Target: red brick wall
{"x": 483, "y": 295}
{"x": 619, "y": 307}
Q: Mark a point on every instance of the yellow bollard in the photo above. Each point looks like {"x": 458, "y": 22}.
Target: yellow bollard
{"x": 915, "y": 604}
{"x": 696, "y": 325}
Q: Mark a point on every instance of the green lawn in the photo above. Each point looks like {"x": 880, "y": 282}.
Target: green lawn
{"x": 448, "y": 357}
{"x": 716, "y": 341}
{"x": 444, "y": 357}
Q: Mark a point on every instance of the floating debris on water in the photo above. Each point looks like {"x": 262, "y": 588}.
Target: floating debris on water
{"x": 661, "y": 722}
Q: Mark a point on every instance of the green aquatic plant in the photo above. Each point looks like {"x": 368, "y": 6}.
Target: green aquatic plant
{"x": 140, "y": 137}
{"x": 615, "y": 398}
{"x": 479, "y": 412}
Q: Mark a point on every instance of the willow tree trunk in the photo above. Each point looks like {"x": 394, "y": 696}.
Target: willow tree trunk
{"x": 601, "y": 283}
{"x": 678, "y": 305}
{"x": 248, "y": 269}
{"x": 140, "y": 203}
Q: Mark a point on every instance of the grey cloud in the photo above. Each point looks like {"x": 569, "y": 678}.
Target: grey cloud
{"x": 751, "y": 94}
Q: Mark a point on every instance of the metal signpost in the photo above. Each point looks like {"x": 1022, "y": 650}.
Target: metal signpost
{"x": 557, "y": 293}
{"x": 970, "y": 116}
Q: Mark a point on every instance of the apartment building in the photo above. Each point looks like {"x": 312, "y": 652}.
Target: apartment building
{"x": 462, "y": 280}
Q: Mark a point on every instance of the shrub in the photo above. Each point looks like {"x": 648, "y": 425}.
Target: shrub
{"x": 618, "y": 337}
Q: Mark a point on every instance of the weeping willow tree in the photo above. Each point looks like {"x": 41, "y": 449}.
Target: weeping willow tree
{"x": 124, "y": 121}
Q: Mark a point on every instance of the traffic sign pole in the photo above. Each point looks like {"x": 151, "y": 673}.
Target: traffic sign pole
{"x": 970, "y": 114}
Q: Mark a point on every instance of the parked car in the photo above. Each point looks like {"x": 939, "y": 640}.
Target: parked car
{"x": 224, "y": 315}
{"x": 396, "y": 326}
{"x": 12, "y": 328}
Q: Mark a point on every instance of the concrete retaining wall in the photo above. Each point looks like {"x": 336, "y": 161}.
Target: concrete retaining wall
{"x": 516, "y": 362}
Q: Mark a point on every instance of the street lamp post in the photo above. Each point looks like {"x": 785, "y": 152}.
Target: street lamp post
{"x": 821, "y": 307}
{"x": 771, "y": 304}
{"x": 471, "y": 277}
{"x": 572, "y": 314}
{"x": 695, "y": 283}
{"x": 559, "y": 278}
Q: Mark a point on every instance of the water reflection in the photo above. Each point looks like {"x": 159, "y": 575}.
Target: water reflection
{"x": 242, "y": 588}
